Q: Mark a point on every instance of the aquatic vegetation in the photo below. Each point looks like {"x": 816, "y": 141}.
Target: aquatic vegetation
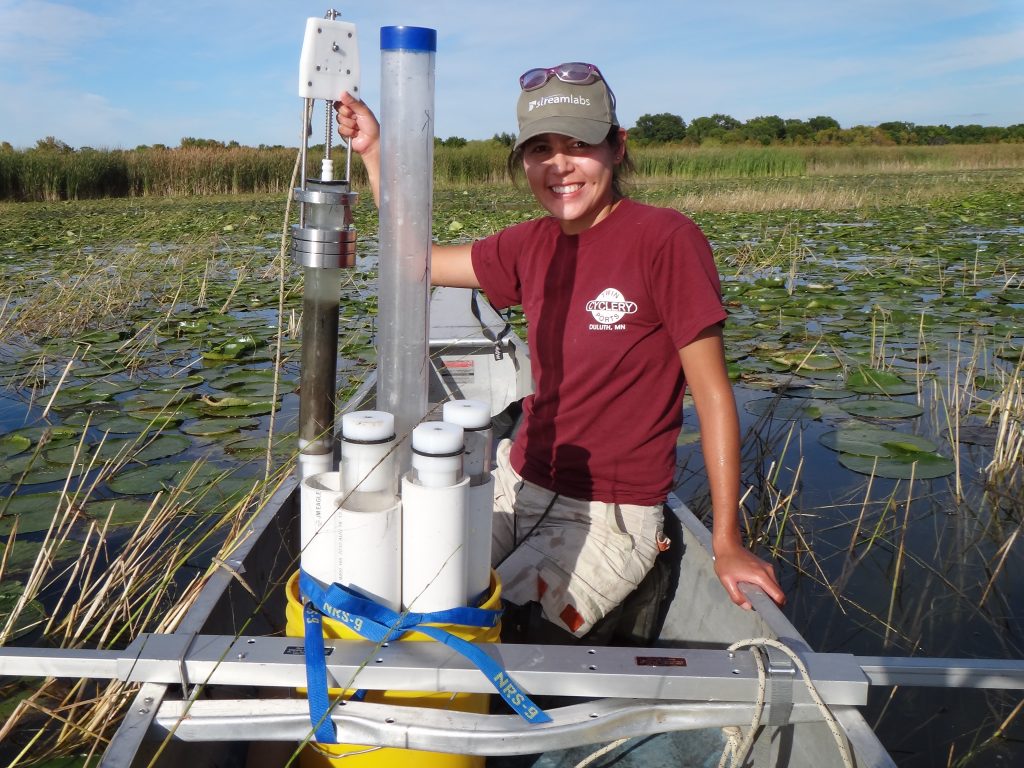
{"x": 875, "y": 339}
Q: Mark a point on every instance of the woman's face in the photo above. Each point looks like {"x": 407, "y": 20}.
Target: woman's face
{"x": 572, "y": 180}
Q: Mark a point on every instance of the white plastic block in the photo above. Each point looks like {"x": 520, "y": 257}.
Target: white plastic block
{"x": 329, "y": 63}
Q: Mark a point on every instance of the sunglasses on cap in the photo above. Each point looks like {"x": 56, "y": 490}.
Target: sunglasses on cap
{"x": 574, "y": 72}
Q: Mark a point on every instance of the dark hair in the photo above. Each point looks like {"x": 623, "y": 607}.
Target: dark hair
{"x": 620, "y": 171}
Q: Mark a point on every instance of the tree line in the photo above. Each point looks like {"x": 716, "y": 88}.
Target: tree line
{"x": 666, "y": 128}
{"x": 714, "y": 130}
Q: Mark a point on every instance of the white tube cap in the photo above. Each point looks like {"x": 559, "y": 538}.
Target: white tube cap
{"x": 367, "y": 426}
{"x": 468, "y": 414}
{"x": 437, "y": 438}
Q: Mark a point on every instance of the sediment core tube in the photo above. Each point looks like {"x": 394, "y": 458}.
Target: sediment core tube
{"x": 318, "y": 375}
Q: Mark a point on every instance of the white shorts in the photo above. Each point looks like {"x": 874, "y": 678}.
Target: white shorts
{"x": 578, "y": 559}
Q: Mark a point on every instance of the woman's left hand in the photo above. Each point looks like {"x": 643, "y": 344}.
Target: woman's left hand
{"x": 735, "y": 563}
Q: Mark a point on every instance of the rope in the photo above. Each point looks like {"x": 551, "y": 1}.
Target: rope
{"x": 600, "y": 753}
{"x": 737, "y": 746}
{"x": 736, "y": 750}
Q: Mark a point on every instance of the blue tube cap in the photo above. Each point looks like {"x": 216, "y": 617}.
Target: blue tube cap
{"x": 408, "y": 39}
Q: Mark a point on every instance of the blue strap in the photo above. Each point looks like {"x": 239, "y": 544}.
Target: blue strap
{"x": 316, "y": 678}
{"x": 378, "y": 623}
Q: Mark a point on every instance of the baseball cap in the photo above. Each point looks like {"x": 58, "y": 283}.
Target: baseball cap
{"x": 585, "y": 112}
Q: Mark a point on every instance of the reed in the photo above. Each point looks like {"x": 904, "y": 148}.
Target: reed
{"x": 1007, "y": 413}
{"x": 46, "y": 175}
{"x": 109, "y": 595}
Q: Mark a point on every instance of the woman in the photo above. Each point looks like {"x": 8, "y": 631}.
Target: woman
{"x": 624, "y": 312}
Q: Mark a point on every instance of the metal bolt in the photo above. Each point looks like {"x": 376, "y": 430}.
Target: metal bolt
{"x": 241, "y": 655}
{"x": 144, "y": 710}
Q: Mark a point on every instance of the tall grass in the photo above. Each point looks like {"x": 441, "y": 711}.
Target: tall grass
{"x": 49, "y": 175}
{"x": 717, "y": 162}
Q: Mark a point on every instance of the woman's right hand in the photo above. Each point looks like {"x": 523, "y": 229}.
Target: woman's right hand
{"x": 358, "y": 126}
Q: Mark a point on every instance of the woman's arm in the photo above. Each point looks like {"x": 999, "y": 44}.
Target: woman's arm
{"x": 703, "y": 362}
{"x": 449, "y": 264}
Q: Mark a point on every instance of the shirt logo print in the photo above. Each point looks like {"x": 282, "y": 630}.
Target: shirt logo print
{"x": 610, "y": 306}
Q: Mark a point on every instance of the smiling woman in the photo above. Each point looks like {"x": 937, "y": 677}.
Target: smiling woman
{"x": 625, "y": 314}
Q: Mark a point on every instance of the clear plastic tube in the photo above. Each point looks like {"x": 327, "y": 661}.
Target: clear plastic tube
{"x": 407, "y": 156}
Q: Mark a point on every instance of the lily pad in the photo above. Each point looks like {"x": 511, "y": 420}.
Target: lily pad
{"x": 70, "y": 397}
{"x": 256, "y": 445}
{"x": 235, "y": 349}
{"x": 801, "y": 360}
{"x": 13, "y": 444}
{"x": 903, "y": 466}
{"x": 264, "y": 390}
{"x": 867, "y": 440}
{"x": 41, "y": 471}
{"x": 91, "y": 417}
{"x": 132, "y": 448}
{"x": 124, "y": 511}
{"x": 225, "y": 493}
{"x": 24, "y": 553}
{"x": 783, "y": 408}
{"x": 871, "y": 381}
{"x": 136, "y": 482}
{"x": 244, "y": 376}
{"x": 161, "y": 447}
{"x": 99, "y": 337}
{"x": 32, "y": 511}
{"x": 222, "y": 426}
{"x": 156, "y": 400}
{"x": 882, "y": 409}
{"x": 688, "y": 436}
{"x": 171, "y": 383}
{"x": 819, "y": 392}
{"x": 243, "y": 408}
{"x": 134, "y": 425}
{"x": 31, "y": 614}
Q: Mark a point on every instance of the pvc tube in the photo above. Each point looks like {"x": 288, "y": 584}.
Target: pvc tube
{"x": 314, "y": 463}
{"x": 407, "y": 156}
{"x": 474, "y": 416}
{"x": 479, "y": 514}
{"x": 319, "y": 535}
{"x": 370, "y": 532}
{"x": 434, "y": 558}
{"x": 368, "y": 452}
{"x": 437, "y": 449}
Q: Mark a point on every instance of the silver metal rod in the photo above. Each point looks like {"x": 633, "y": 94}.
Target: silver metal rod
{"x": 307, "y": 110}
{"x": 328, "y": 132}
{"x": 944, "y": 673}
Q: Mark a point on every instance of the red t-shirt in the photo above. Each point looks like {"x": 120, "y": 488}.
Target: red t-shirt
{"x": 608, "y": 310}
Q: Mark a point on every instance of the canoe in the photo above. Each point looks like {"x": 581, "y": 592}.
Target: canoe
{"x": 220, "y": 690}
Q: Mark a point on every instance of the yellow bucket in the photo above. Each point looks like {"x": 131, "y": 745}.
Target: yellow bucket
{"x": 321, "y": 755}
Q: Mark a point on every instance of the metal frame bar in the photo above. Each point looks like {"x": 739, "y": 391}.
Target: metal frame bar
{"x": 438, "y": 730}
{"x": 636, "y": 673}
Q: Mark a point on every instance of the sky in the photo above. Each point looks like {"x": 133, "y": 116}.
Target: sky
{"x": 121, "y": 73}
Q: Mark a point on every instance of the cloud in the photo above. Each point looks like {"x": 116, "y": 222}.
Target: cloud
{"x": 34, "y": 33}
{"x": 970, "y": 53}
